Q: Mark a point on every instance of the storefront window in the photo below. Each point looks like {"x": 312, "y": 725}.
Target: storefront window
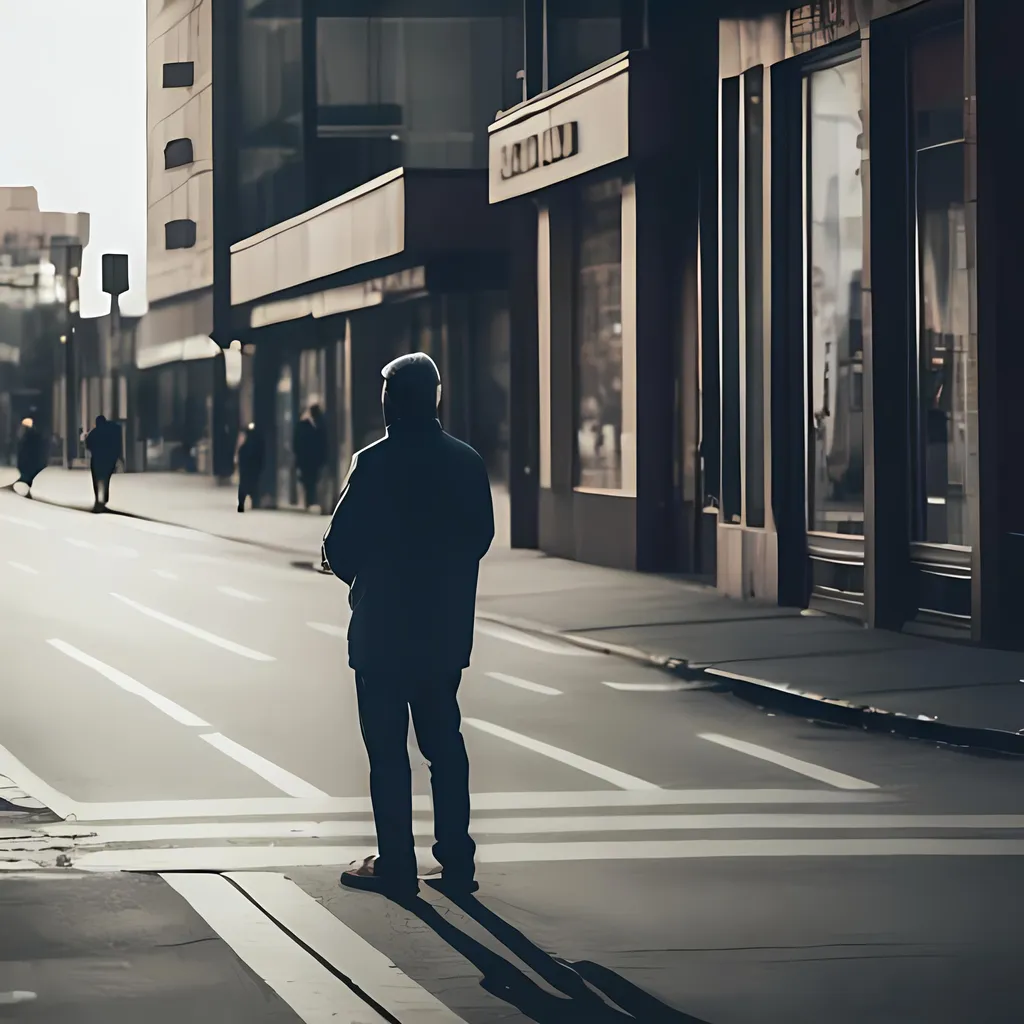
{"x": 599, "y": 357}
{"x": 943, "y": 296}
{"x": 835, "y": 259}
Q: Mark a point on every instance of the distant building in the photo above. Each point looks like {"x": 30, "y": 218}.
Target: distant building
{"x": 175, "y": 356}
{"x": 33, "y": 313}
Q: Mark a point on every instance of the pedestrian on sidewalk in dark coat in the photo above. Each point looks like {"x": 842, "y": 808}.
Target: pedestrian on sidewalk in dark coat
{"x": 407, "y": 536}
{"x": 106, "y": 449}
{"x": 250, "y": 467}
{"x": 311, "y": 453}
{"x": 32, "y": 455}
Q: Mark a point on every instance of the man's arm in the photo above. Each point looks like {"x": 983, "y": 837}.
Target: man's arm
{"x": 347, "y": 533}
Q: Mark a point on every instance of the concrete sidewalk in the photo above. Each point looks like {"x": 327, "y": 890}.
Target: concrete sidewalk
{"x": 814, "y": 665}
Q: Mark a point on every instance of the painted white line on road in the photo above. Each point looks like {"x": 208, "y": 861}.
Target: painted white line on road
{"x": 648, "y": 687}
{"x": 18, "y": 521}
{"x": 166, "y": 574}
{"x": 536, "y": 643}
{"x": 120, "y": 549}
{"x": 22, "y": 567}
{"x": 79, "y": 543}
{"x": 129, "y": 685}
{"x": 276, "y": 776}
{"x": 199, "y": 634}
{"x": 309, "y": 988}
{"x": 350, "y": 955}
{"x": 812, "y": 771}
{"x": 483, "y": 825}
{"x": 583, "y": 764}
{"x": 27, "y": 780}
{"x": 240, "y": 595}
{"x": 247, "y": 858}
{"x": 330, "y": 630}
{"x": 524, "y": 684}
{"x": 264, "y": 807}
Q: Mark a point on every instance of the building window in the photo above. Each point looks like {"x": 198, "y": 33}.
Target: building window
{"x": 835, "y": 260}
{"x": 753, "y": 296}
{"x": 179, "y": 75}
{"x": 942, "y": 513}
{"x": 580, "y": 35}
{"x": 178, "y": 153}
{"x": 179, "y": 234}
{"x": 598, "y": 334}
{"x": 732, "y": 496}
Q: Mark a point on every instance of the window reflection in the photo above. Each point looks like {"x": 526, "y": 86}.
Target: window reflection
{"x": 581, "y": 34}
{"x": 835, "y": 355}
{"x": 599, "y": 363}
{"x": 943, "y": 297}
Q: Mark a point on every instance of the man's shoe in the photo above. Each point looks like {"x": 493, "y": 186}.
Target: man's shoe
{"x": 455, "y": 886}
{"x": 363, "y": 876}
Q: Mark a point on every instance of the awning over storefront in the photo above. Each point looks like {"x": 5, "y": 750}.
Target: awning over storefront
{"x": 176, "y": 331}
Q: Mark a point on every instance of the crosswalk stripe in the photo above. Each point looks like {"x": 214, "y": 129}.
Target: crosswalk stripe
{"x": 364, "y": 966}
{"x": 309, "y": 988}
{"x": 247, "y": 858}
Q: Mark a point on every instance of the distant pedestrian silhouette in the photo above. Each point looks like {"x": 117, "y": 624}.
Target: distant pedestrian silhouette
{"x": 32, "y": 454}
{"x": 250, "y": 467}
{"x": 407, "y": 536}
{"x": 310, "y": 447}
{"x": 106, "y": 449}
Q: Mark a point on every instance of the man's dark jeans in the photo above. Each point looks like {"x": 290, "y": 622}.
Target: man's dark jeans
{"x": 101, "y": 483}
{"x": 384, "y": 707}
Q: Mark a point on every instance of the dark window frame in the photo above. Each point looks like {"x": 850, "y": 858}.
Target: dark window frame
{"x": 180, "y": 234}
{"x": 179, "y": 153}
{"x": 179, "y": 74}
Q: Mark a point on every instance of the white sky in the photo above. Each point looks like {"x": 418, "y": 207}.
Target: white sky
{"x": 73, "y": 123}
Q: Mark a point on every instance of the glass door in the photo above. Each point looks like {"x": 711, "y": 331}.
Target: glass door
{"x": 835, "y": 364}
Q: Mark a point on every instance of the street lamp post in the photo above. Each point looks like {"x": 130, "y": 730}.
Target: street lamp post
{"x": 67, "y": 259}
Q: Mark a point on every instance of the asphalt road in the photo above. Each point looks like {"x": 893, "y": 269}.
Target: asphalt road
{"x": 183, "y": 706}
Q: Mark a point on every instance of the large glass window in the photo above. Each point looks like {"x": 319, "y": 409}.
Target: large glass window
{"x": 598, "y": 328}
{"x": 581, "y": 34}
{"x": 835, "y": 260}
{"x": 270, "y": 159}
{"x": 943, "y": 296}
{"x": 413, "y": 91}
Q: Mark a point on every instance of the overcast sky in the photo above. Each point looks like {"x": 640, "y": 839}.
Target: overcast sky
{"x": 73, "y": 123}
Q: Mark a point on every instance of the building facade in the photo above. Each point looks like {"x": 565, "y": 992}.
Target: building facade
{"x": 866, "y": 335}
{"x": 352, "y": 215}
{"x": 179, "y": 368}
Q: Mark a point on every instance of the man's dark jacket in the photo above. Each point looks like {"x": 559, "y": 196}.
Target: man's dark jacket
{"x": 407, "y": 536}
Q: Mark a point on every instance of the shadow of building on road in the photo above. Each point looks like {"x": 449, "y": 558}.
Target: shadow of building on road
{"x": 581, "y": 985}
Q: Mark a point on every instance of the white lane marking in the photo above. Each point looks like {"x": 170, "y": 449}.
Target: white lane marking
{"x": 648, "y": 687}
{"x": 18, "y": 521}
{"x": 583, "y": 764}
{"x": 129, "y": 685}
{"x": 257, "y": 807}
{"x": 26, "y": 779}
{"x": 812, "y": 771}
{"x": 240, "y": 595}
{"x": 276, "y": 776}
{"x": 120, "y": 549}
{"x": 326, "y": 627}
{"x": 242, "y": 858}
{"x": 79, "y": 543}
{"x": 22, "y": 567}
{"x": 350, "y": 955}
{"x": 166, "y": 574}
{"x": 200, "y": 634}
{"x": 524, "y": 684}
{"x": 531, "y": 640}
{"x": 309, "y": 988}
{"x": 483, "y": 825}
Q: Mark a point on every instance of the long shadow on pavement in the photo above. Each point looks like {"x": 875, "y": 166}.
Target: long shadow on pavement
{"x": 579, "y": 1003}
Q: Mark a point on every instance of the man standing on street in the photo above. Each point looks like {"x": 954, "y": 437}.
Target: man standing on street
{"x": 106, "y": 450}
{"x": 407, "y": 536}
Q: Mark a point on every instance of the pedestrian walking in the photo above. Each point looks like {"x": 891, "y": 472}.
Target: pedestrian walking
{"x": 32, "y": 456}
{"x": 250, "y": 466}
{"x": 311, "y": 453}
{"x": 407, "y": 536}
{"x": 105, "y": 446}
